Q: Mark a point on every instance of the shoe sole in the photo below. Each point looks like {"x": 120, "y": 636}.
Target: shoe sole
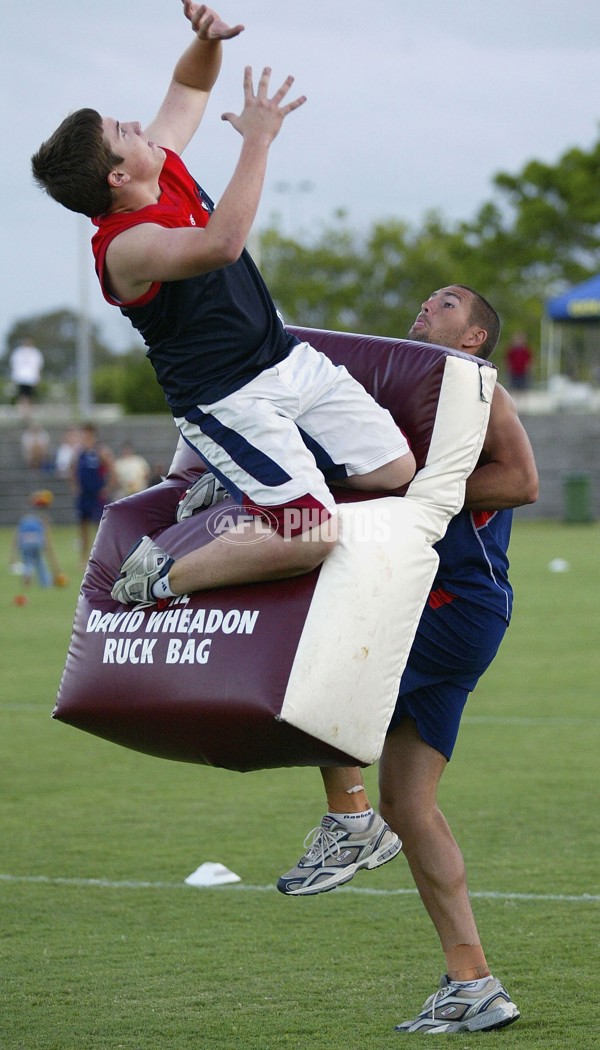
{"x": 145, "y": 542}
{"x": 490, "y": 1021}
{"x": 498, "y": 1018}
{"x": 375, "y": 860}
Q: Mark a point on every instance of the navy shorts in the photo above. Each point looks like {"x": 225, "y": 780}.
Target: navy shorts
{"x": 272, "y": 441}
{"x": 454, "y": 644}
{"x": 89, "y": 506}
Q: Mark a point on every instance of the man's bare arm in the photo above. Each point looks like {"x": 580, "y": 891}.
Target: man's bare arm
{"x": 506, "y": 475}
{"x": 148, "y": 253}
{"x": 193, "y": 79}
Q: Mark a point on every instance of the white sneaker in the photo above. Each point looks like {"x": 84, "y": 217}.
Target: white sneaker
{"x": 336, "y": 854}
{"x": 204, "y": 493}
{"x": 464, "y": 1006}
{"x": 144, "y": 565}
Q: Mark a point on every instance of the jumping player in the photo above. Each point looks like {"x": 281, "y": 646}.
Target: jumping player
{"x": 267, "y": 413}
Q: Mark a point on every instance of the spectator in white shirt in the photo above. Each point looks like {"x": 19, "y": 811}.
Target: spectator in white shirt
{"x": 26, "y": 364}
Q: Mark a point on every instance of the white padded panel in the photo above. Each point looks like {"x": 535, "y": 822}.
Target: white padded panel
{"x": 459, "y": 430}
{"x": 362, "y": 620}
{"x": 373, "y": 587}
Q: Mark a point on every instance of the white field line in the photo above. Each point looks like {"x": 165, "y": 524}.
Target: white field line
{"x": 524, "y": 720}
{"x": 131, "y": 884}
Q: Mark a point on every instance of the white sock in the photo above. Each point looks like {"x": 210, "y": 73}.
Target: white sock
{"x": 353, "y": 821}
{"x": 477, "y": 985}
{"x": 160, "y": 588}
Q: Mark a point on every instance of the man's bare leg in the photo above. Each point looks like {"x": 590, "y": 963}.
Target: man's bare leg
{"x": 350, "y": 837}
{"x": 409, "y": 774}
{"x": 244, "y": 554}
{"x": 345, "y": 790}
{"x": 386, "y": 478}
{"x": 247, "y": 553}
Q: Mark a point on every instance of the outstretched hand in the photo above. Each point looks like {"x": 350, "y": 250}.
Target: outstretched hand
{"x": 207, "y": 24}
{"x": 262, "y": 114}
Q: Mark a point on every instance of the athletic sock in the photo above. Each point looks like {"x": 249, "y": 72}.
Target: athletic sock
{"x": 160, "y": 588}
{"x": 353, "y": 822}
{"x": 477, "y": 985}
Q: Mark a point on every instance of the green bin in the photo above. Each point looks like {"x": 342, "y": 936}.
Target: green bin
{"x": 578, "y": 499}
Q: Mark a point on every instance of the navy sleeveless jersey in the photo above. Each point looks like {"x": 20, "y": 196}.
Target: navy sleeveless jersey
{"x": 90, "y": 471}
{"x": 207, "y": 335}
{"x": 473, "y": 559}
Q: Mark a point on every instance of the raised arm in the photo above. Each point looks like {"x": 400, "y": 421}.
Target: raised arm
{"x": 148, "y": 253}
{"x": 193, "y": 78}
{"x": 506, "y": 475}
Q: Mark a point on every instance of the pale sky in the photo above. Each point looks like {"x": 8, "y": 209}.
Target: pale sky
{"x": 412, "y": 105}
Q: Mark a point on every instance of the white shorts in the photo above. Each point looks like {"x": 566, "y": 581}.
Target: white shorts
{"x": 274, "y": 441}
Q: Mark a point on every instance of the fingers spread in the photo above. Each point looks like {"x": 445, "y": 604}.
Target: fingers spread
{"x": 293, "y": 105}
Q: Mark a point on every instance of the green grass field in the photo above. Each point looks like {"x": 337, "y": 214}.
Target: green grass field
{"x": 104, "y": 947}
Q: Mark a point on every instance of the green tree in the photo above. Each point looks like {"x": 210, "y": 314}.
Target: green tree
{"x": 554, "y": 215}
{"x": 372, "y": 282}
{"x": 314, "y": 283}
{"x": 127, "y": 379}
{"x": 539, "y": 234}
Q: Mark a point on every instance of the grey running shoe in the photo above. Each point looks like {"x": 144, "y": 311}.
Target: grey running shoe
{"x": 144, "y": 565}
{"x": 204, "y": 493}
{"x": 336, "y": 854}
{"x": 464, "y": 1006}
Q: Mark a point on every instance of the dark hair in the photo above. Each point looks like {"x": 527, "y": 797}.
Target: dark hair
{"x": 73, "y": 165}
{"x": 484, "y": 315}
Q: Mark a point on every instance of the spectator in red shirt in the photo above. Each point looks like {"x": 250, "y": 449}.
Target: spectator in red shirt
{"x": 519, "y": 358}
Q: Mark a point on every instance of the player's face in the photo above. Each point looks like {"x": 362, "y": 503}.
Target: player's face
{"x": 444, "y": 318}
{"x": 141, "y": 157}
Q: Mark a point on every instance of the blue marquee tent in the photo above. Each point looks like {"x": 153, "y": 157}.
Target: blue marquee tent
{"x": 580, "y": 303}
{"x": 572, "y": 345}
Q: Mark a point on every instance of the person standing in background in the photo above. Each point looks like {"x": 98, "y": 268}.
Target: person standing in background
{"x": 35, "y": 446}
{"x": 33, "y": 544}
{"x": 26, "y": 364}
{"x": 92, "y": 475}
{"x": 132, "y": 472}
{"x": 65, "y": 452}
{"x": 519, "y": 359}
